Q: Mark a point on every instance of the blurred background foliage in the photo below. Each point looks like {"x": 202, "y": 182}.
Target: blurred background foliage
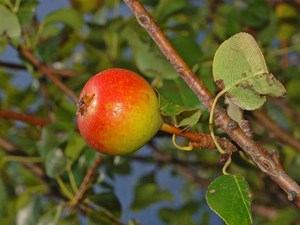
{"x": 43, "y": 164}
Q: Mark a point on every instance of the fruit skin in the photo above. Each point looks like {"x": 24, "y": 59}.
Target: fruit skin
{"x": 118, "y": 112}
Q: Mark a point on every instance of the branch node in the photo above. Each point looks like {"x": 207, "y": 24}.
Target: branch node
{"x": 143, "y": 20}
{"x": 292, "y": 195}
{"x": 267, "y": 166}
{"x": 232, "y": 125}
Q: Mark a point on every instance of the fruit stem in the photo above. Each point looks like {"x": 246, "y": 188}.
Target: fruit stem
{"x": 198, "y": 140}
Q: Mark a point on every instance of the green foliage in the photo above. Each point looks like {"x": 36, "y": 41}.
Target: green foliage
{"x": 239, "y": 69}
{"x": 179, "y": 116}
{"x": 10, "y": 31}
{"x": 229, "y": 196}
{"x": 42, "y": 167}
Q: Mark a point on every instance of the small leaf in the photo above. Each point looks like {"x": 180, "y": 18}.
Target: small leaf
{"x": 9, "y": 27}
{"x": 178, "y": 91}
{"x": 74, "y": 146}
{"x": 179, "y": 116}
{"x": 48, "y": 140}
{"x": 239, "y": 67}
{"x": 230, "y": 198}
{"x": 55, "y": 163}
{"x": 149, "y": 59}
{"x": 66, "y": 16}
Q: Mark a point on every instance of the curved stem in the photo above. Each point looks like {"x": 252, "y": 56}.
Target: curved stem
{"x": 183, "y": 148}
{"x": 211, "y": 117}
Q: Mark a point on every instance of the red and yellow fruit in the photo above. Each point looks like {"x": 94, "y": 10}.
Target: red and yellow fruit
{"x": 118, "y": 112}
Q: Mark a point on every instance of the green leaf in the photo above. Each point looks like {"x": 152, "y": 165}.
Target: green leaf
{"x": 10, "y": 29}
{"x": 188, "y": 49}
{"x": 178, "y": 92}
{"x": 67, "y": 16}
{"x": 179, "y": 116}
{"x": 109, "y": 201}
{"x": 48, "y": 140}
{"x": 149, "y": 59}
{"x": 257, "y": 14}
{"x": 166, "y": 8}
{"x": 55, "y": 163}
{"x": 74, "y": 146}
{"x": 239, "y": 68}
{"x": 27, "y": 10}
{"x": 230, "y": 198}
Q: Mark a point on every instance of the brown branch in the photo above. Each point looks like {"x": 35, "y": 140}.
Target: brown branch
{"x": 257, "y": 153}
{"x": 12, "y": 65}
{"x": 271, "y": 125}
{"x": 11, "y": 115}
{"x": 87, "y": 181}
{"x": 199, "y": 140}
{"x": 61, "y": 72}
{"x": 45, "y": 70}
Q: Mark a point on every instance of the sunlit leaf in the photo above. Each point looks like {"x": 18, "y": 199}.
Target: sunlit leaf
{"x": 10, "y": 29}
{"x": 240, "y": 68}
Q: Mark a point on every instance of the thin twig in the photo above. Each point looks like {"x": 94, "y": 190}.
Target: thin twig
{"x": 87, "y": 181}
{"x": 257, "y": 153}
{"x": 11, "y": 115}
{"x": 45, "y": 70}
{"x": 61, "y": 72}
{"x": 12, "y": 65}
